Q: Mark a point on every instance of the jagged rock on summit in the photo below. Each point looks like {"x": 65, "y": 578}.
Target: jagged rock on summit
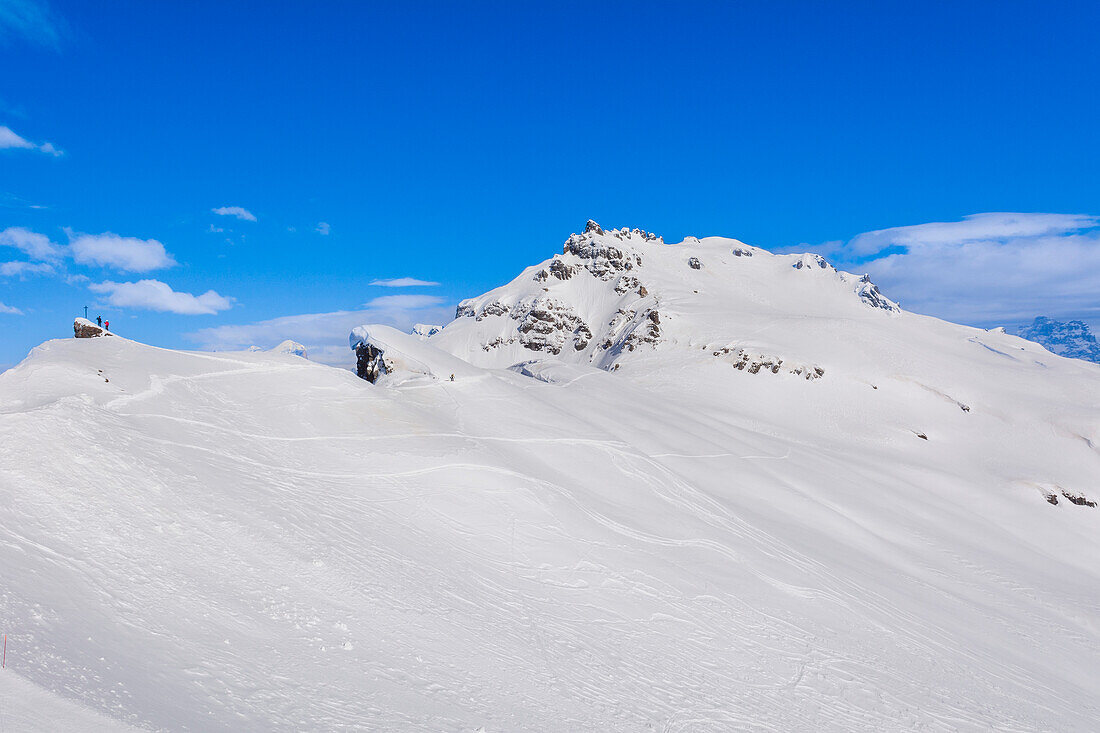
{"x": 85, "y": 329}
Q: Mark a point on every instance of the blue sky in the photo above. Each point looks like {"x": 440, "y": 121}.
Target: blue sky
{"x": 348, "y": 144}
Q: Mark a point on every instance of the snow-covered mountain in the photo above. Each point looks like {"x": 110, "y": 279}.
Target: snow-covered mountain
{"x": 1071, "y": 339}
{"x": 613, "y": 292}
{"x": 670, "y": 487}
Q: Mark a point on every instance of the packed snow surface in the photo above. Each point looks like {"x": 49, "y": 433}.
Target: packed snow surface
{"x": 603, "y": 538}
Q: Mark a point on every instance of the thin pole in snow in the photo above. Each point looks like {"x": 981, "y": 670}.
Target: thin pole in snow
{"x": 4, "y": 664}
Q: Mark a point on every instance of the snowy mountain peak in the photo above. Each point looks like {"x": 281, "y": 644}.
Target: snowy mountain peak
{"x": 613, "y": 296}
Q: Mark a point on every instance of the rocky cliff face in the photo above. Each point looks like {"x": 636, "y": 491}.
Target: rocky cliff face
{"x": 1071, "y": 339}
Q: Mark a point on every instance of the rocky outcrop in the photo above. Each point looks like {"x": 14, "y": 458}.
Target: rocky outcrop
{"x": 1078, "y": 499}
{"x": 869, "y": 293}
{"x": 370, "y": 363}
{"x": 755, "y": 363}
{"x": 546, "y": 324}
{"x": 85, "y": 329}
{"x": 812, "y": 261}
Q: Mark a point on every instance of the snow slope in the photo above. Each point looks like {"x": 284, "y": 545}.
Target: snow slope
{"x": 251, "y": 541}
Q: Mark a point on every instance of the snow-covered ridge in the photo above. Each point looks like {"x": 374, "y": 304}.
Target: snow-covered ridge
{"x": 616, "y": 294}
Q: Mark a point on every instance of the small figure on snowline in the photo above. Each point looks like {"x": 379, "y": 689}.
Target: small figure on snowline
{"x": 99, "y": 321}
{"x": 452, "y": 377}
{"x": 107, "y": 325}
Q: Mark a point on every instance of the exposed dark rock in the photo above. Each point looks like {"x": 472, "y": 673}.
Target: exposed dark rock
{"x": 1078, "y": 499}
{"x": 811, "y": 261}
{"x": 1051, "y": 498}
{"x": 85, "y": 329}
{"x": 626, "y": 283}
{"x": 869, "y": 293}
{"x": 465, "y": 310}
{"x": 560, "y": 270}
{"x": 741, "y": 252}
{"x": 694, "y": 263}
{"x": 369, "y": 362}
{"x": 545, "y": 324}
{"x": 496, "y": 308}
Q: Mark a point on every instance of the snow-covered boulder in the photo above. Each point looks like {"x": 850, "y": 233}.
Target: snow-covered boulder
{"x": 384, "y": 352}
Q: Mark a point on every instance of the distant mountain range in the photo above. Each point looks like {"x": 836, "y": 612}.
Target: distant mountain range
{"x": 1071, "y": 339}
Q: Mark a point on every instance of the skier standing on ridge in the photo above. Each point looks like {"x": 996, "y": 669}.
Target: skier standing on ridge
{"x": 107, "y": 325}
{"x": 99, "y": 321}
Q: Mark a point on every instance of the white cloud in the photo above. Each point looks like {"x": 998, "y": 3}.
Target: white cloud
{"x": 23, "y": 269}
{"x": 34, "y": 245}
{"x": 158, "y": 296}
{"x": 8, "y": 139}
{"x": 404, "y": 282}
{"x": 325, "y": 334}
{"x": 123, "y": 253}
{"x": 323, "y": 228}
{"x": 237, "y": 211}
{"x": 987, "y": 269}
{"x": 973, "y": 228}
{"x": 215, "y": 230}
{"x": 10, "y": 310}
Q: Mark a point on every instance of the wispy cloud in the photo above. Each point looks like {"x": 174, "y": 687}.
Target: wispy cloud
{"x": 24, "y": 269}
{"x": 158, "y": 296}
{"x": 403, "y": 282}
{"x": 323, "y": 228}
{"x": 403, "y": 301}
{"x": 325, "y": 334}
{"x": 11, "y": 201}
{"x": 974, "y": 228}
{"x": 11, "y": 310}
{"x": 128, "y": 254}
{"x": 8, "y": 138}
{"x": 238, "y": 211}
{"x": 34, "y": 245}
{"x": 29, "y": 20}
{"x": 987, "y": 269}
